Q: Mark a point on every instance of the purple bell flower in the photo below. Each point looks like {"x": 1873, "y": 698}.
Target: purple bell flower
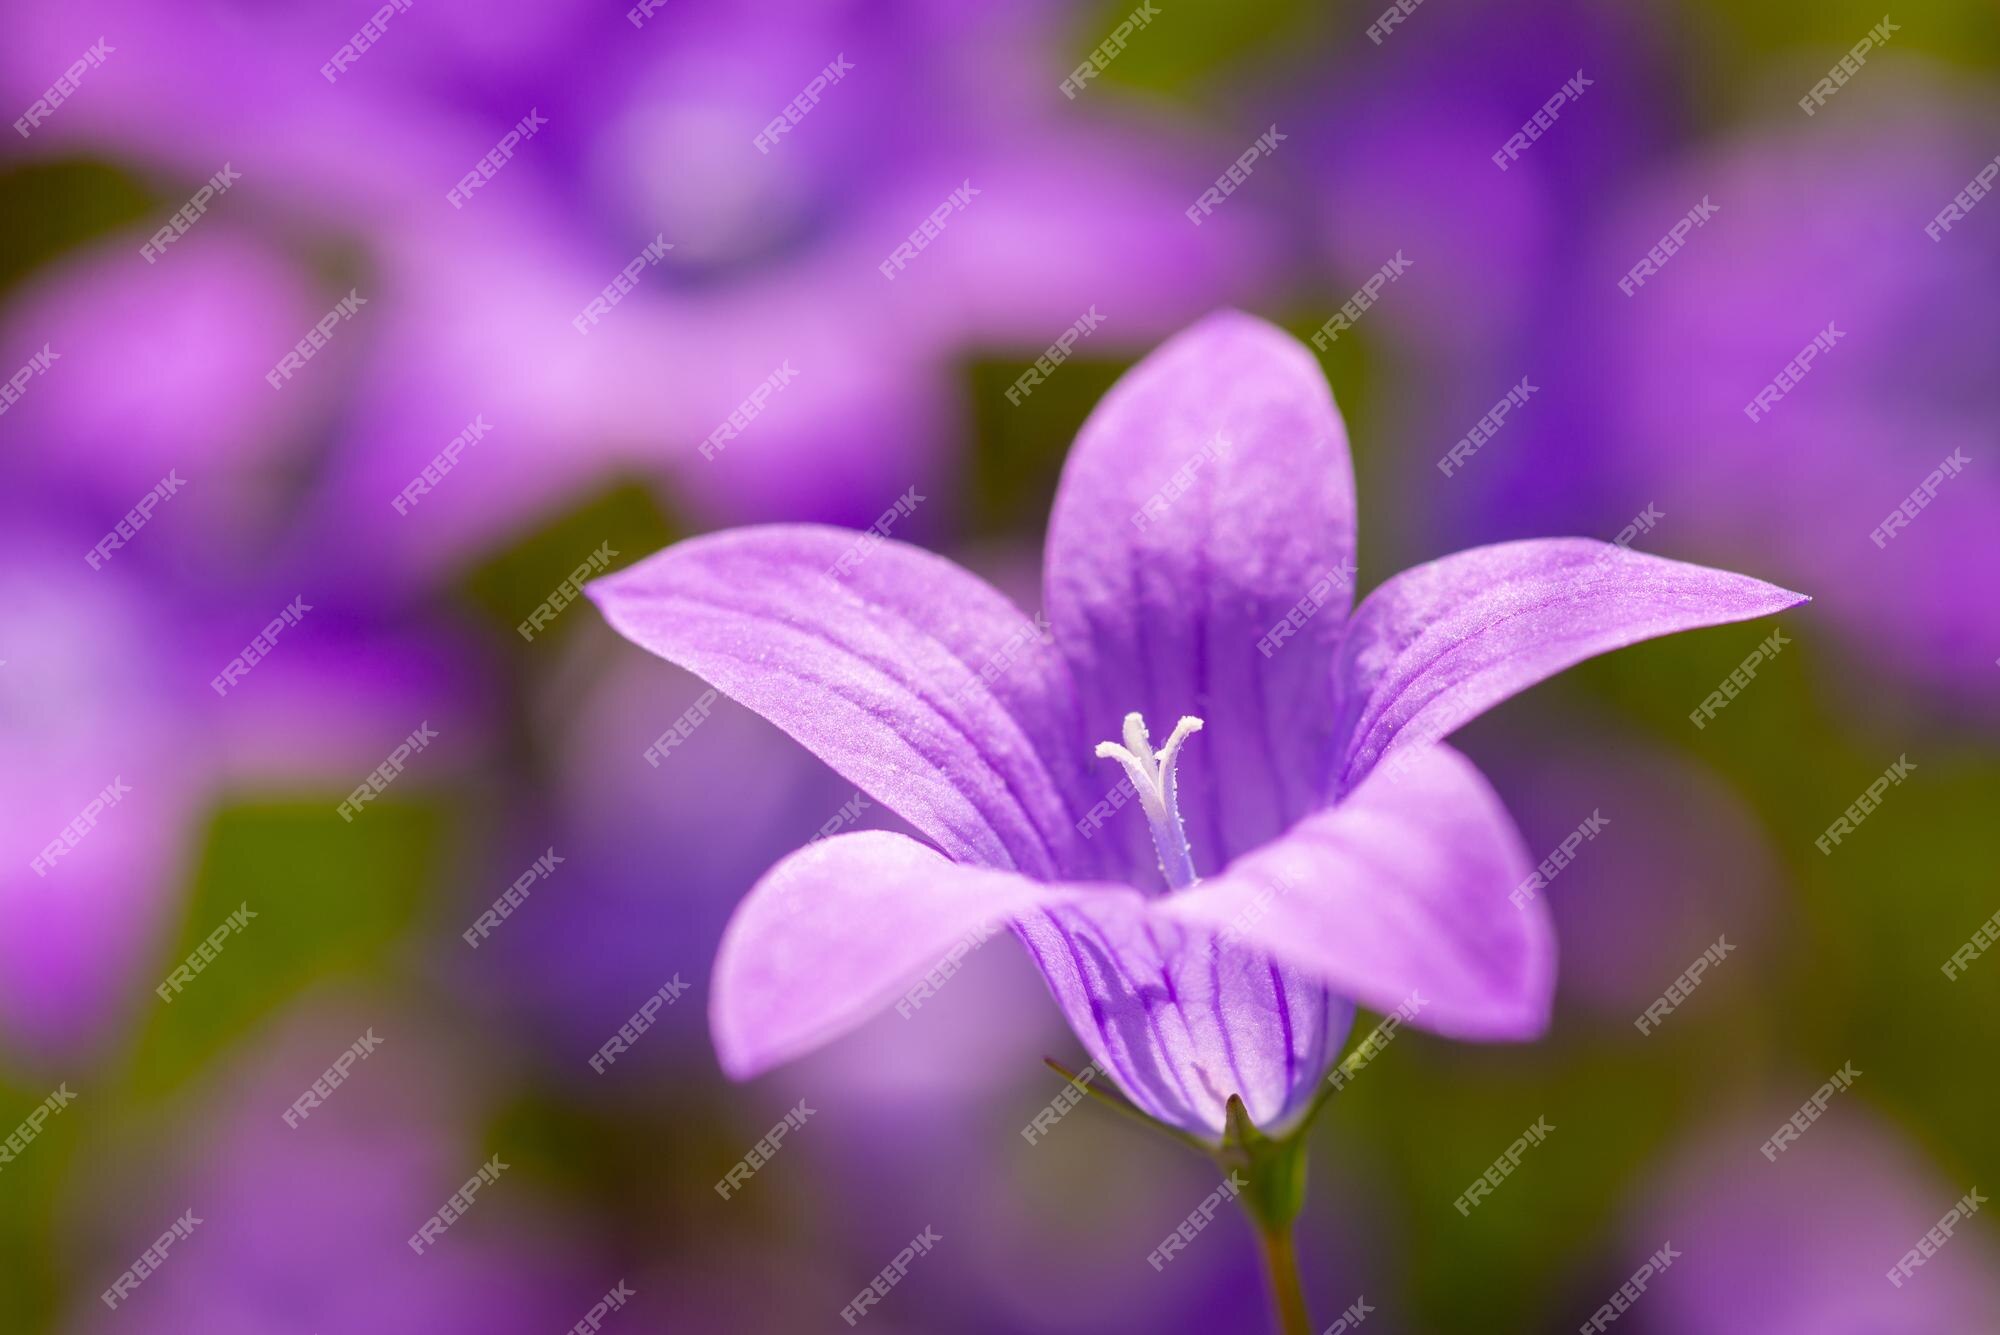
{"x": 1292, "y": 841}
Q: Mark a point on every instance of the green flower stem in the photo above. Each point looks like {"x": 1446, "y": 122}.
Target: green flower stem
{"x": 1273, "y": 1172}
{"x": 1282, "y": 1259}
{"x": 1274, "y": 1191}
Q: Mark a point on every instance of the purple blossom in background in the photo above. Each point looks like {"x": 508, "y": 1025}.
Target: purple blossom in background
{"x": 1813, "y": 229}
{"x": 650, "y": 135}
{"x": 1341, "y": 856}
{"x": 1807, "y": 1247}
{"x": 302, "y": 1226}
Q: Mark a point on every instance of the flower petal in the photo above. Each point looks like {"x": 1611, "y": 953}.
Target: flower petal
{"x": 1443, "y": 642}
{"x": 1181, "y": 1019}
{"x": 835, "y": 931}
{"x": 911, "y": 677}
{"x": 1208, "y": 496}
{"x": 1403, "y": 888}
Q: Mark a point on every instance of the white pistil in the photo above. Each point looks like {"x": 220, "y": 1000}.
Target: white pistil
{"x": 1153, "y": 776}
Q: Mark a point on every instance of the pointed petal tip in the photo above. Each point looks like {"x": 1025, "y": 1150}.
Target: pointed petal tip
{"x": 738, "y": 1063}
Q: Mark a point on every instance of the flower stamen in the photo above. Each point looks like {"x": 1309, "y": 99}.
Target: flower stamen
{"x": 1153, "y": 777}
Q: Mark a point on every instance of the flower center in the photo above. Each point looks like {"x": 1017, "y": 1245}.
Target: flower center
{"x": 1153, "y": 777}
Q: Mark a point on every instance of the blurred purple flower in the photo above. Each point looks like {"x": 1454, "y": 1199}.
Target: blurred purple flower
{"x": 290, "y": 1213}
{"x": 1400, "y": 151}
{"x": 161, "y": 371}
{"x": 1641, "y": 901}
{"x": 79, "y": 709}
{"x": 651, "y": 134}
{"x": 1206, "y": 514}
{"x": 1818, "y": 223}
{"x": 106, "y": 682}
{"x": 1806, "y": 1247}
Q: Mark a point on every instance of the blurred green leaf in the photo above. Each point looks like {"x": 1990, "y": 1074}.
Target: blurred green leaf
{"x": 508, "y": 585}
{"x": 48, "y": 208}
{"x": 328, "y": 895}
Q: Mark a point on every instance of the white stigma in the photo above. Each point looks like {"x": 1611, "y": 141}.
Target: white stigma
{"x": 1153, "y": 776}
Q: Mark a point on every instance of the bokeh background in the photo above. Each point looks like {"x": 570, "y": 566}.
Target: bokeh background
{"x": 594, "y": 439}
